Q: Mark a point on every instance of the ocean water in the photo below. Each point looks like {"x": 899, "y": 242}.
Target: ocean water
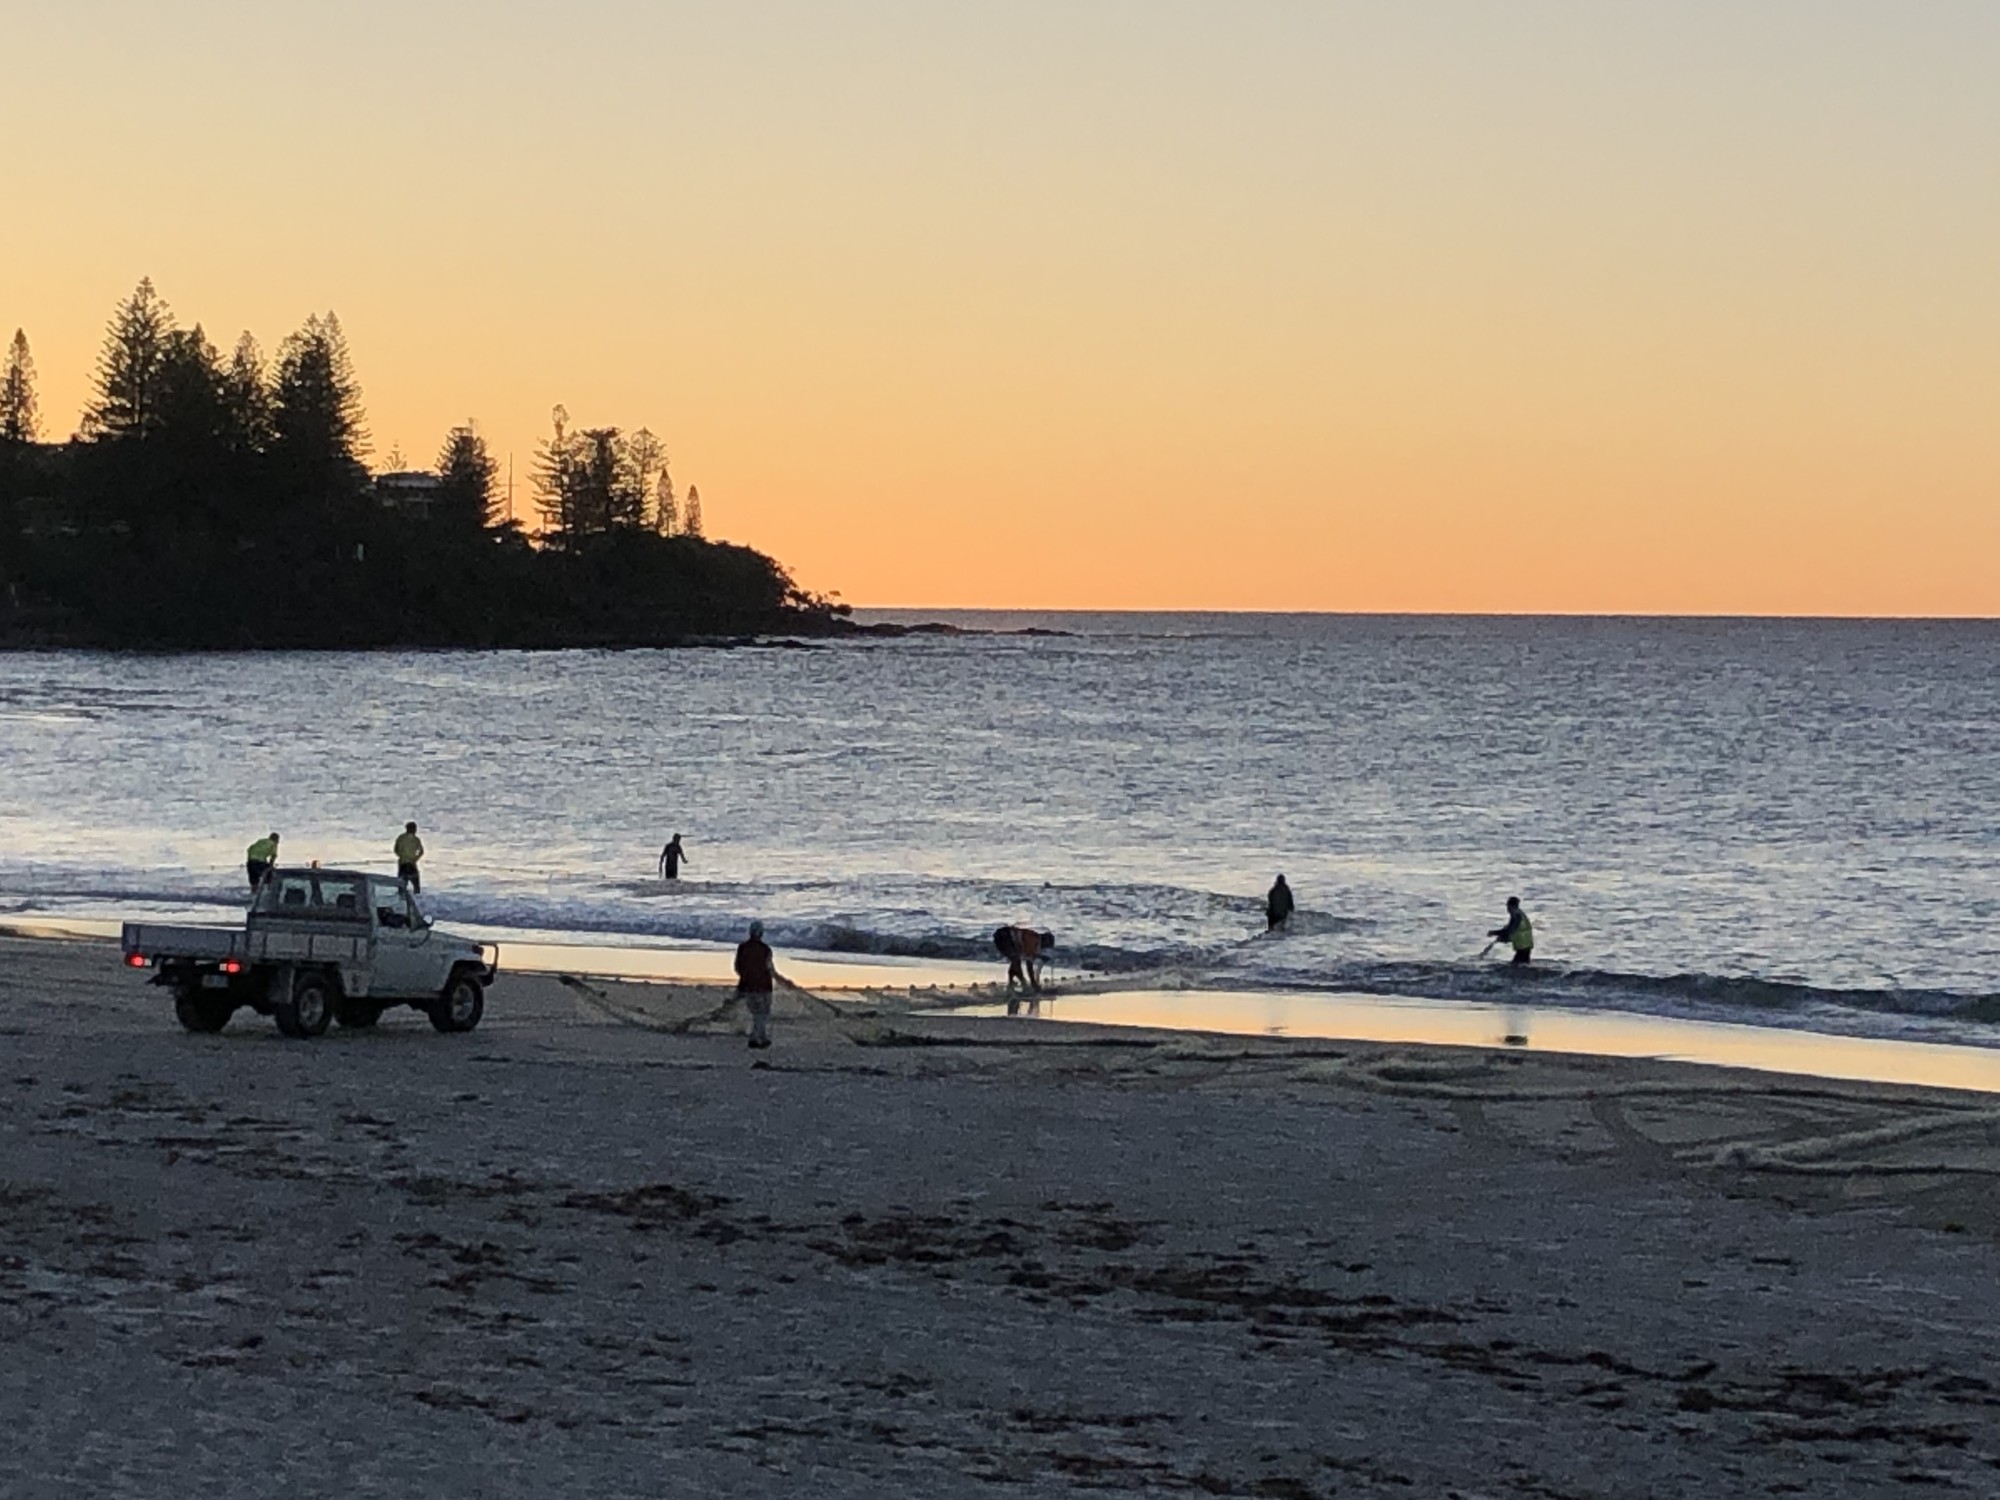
{"x": 1763, "y": 820}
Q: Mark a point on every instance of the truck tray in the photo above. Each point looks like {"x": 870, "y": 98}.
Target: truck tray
{"x": 203, "y": 943}
{"x": 266, "y": 945}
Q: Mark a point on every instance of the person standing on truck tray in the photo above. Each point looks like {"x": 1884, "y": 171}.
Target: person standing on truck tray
{"x": 1519, "y": 933}
{"x": 258, "y": 859}
{"x": 409, "y": 849}
{"x": 671, "y": 858}
{"x": 755, "y": 974}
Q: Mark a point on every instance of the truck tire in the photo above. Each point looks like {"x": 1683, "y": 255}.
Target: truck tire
{"x": 354, "y": 1013}
{"x": 461, "y": 1005}
{"x": 198, "y": 1011}
{"x": 307, "y": 1009}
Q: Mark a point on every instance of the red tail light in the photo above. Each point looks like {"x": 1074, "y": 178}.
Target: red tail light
{"x": 135, "y": 960}
{"x": 231, "y": 966}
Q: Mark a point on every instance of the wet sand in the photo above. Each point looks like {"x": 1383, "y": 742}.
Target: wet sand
{"x": 589, "y": 1249}
{"x": 1460, "y": 1023}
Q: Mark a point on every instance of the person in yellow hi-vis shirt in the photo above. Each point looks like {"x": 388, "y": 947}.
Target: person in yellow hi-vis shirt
{"x": 409, "y": 849}
{"x": 259, "y": 858}
{"x": 1519, "y": 933}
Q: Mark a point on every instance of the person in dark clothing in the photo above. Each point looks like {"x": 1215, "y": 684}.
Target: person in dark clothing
{"x": 1023, "y": 948}
{"x": 755, "y": 974}
{"x": 1278, "y": 906}
{"x": 671, "y": 859}
{"x": 1519, "y": 932}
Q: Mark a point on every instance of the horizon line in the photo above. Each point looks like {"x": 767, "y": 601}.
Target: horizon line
{"x": 1435, "y": 614}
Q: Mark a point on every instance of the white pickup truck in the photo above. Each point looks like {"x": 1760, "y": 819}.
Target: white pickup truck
{"x": 318, "y": 946}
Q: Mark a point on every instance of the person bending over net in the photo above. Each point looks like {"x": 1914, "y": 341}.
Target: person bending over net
{"x": 1025, "y": 951}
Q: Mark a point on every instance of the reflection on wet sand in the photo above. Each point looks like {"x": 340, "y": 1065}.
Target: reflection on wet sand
{"x": 1605, "y": 1034}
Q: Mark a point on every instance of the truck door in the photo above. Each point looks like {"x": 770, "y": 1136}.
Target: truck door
{"x": 403, "y": 956}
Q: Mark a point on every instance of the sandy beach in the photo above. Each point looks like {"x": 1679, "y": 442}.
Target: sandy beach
{"x": 589, "y": 1249}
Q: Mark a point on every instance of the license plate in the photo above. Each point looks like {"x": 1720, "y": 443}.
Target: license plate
{"x": 215, "y": 981}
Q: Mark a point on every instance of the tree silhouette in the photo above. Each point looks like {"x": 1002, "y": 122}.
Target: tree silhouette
{"x": 632, "y": 487}
{"x": 185, "y": 479}
{"x": 646, "y": 463}
{"x": 595, "y": 482}
{"x": 596, "y": 476}
{"x": 128, "y": 368}
{"x": 20, "y": 418}
{"x": 554, "y": 481}
{"x": 246, "y": 398}
{"x": 666, "y": 509}
{"x": 691, "y": 522}
{"x": 187, "y": 397}
{"x": 609, "y": 498}
{"x": 317, "y": 431}
{"x": 466, "y": 472}
{"x": 20, "y": 425}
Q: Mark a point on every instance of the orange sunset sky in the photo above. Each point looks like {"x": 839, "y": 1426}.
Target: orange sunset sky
{"x": 1285, "y": 304}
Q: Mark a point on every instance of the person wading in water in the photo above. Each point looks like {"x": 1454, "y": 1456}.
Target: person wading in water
{"x": 1518, "y": 933}
{"x": 1278, "y": 906}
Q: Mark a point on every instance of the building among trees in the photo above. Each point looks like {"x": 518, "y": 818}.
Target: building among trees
{"x": 410, "y": 493}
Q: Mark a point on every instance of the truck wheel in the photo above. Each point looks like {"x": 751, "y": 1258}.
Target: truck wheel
{"x": 354, "y": 1014}
{"x": 460, "y": 1006}
{"x": 199, "y": 1012}
{"x": 306, "y": 1011}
